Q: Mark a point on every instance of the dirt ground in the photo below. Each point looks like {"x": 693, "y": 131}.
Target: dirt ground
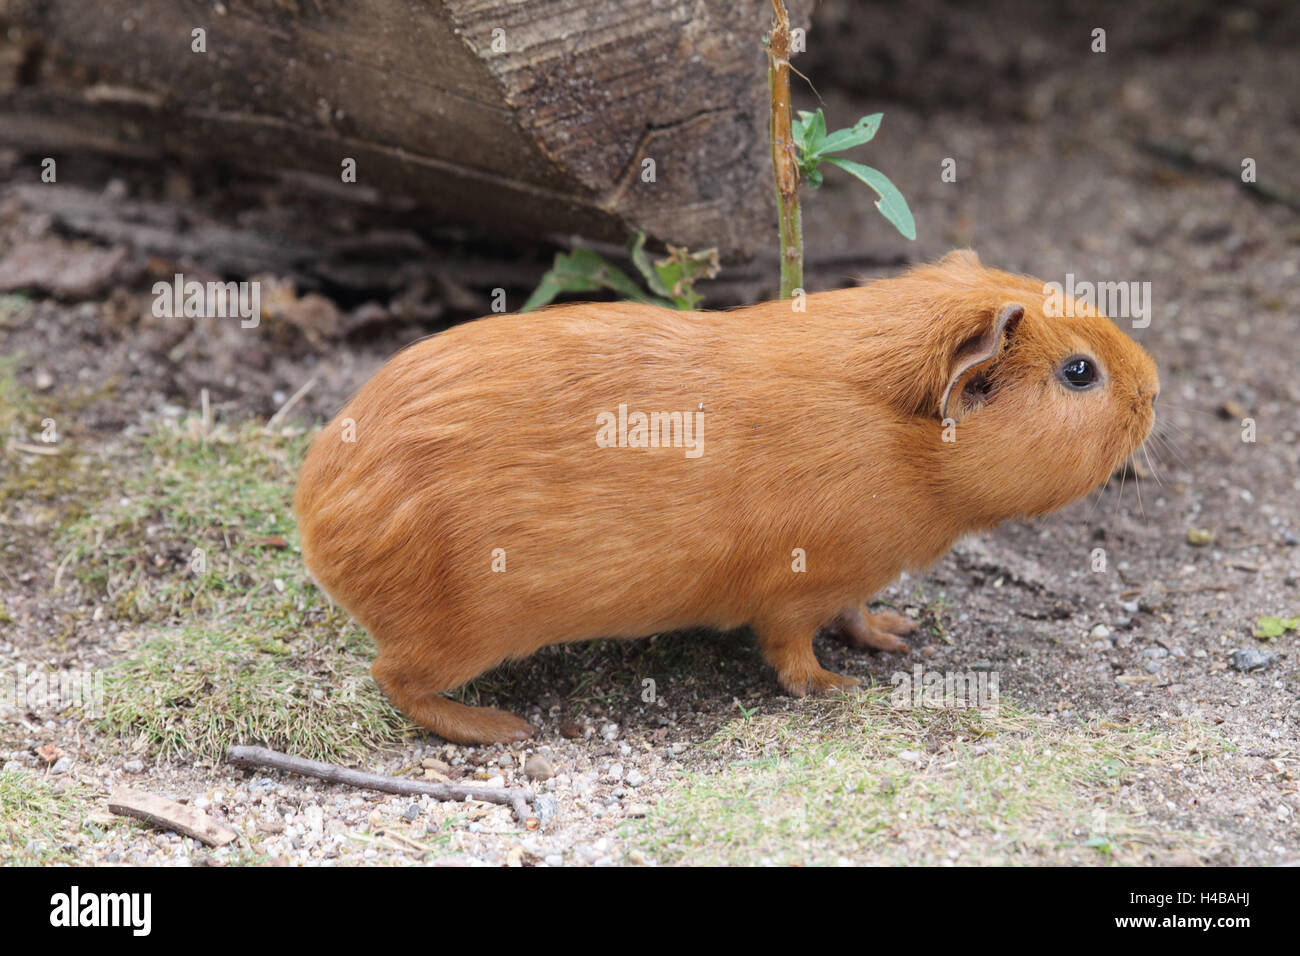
{"x": 1176, "y": 728}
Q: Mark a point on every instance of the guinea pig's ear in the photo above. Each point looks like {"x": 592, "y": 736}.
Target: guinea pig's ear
{"x": 976, "y": 352}
{"x": 962, "y": 257}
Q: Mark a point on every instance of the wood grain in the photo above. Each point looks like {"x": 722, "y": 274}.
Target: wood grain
{"x": 544, "y": 132}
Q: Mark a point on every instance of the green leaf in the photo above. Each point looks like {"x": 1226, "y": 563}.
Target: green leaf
{"x": 679, "y": 271}
{"x": 636, "y": 251}
{"x": 1267, "y": 628}
{"x": 809, "y": 130}
{"x": 863, "y": 131}
{"x": 584, "y": 271}
{"x": 891, "y": 203}
{"x": 816, "y": 131}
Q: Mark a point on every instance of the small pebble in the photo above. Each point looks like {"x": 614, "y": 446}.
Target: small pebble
{"x": 537, "y": 767}
{"x": 546, "y": 807}
{"x": 1247, "y": 660}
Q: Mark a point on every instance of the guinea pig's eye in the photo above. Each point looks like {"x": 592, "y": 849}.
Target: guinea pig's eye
{"x": 1079, "y": 372}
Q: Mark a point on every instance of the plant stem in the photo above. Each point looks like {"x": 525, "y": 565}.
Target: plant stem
{"x": 785, "y": 168}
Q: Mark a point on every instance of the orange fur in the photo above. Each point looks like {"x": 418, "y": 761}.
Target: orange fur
{"x": 821, "y": 432}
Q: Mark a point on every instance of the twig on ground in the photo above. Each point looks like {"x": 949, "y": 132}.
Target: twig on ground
{"x": 27, "y": 449}
{"x": 514, "y": 797}
{"x": 287, "y": 407}
{"x": 1182, "y": 156}
{"x": 1161, "y": 589}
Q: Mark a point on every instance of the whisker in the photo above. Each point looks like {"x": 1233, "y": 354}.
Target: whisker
{"x": 1096, "y": 500}
{"x": 1166, "y": 446}
{"x": 1155, "y": 472}
{"x": 1123, "y": 477}
{"x": 1137, "y": 486}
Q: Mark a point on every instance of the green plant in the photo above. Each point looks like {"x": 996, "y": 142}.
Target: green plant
{"x": 800, "y": 146}
{"x": 1267, "y": 628}
{"x": 815, "y": 147}
{"x": 670, "y": 280}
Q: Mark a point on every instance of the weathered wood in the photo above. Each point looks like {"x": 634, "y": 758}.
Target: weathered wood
{"x": 170, "y": 815}
{"x": 530, "y": 117}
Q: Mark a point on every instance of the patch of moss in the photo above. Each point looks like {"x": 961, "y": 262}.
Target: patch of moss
{"x": 857, "y": 779}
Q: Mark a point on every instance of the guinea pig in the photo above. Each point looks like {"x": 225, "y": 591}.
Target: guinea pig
{"x": 621, "y": 470}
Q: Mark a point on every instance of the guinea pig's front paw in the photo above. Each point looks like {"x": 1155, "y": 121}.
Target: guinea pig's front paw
{"x": 880, "y": 631}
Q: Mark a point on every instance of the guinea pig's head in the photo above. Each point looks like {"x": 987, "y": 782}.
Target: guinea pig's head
{"x": 1029, "y": 410}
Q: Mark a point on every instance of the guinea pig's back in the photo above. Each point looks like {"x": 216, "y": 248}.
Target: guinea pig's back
{"x": 478, "y": 448}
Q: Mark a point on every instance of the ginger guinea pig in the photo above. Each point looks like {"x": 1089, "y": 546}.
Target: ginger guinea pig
{"x": 620, "y": 470}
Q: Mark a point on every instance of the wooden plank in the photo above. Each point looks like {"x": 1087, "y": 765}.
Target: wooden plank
{"x": 169, "y": 815}
{"x": 528, "y": 117}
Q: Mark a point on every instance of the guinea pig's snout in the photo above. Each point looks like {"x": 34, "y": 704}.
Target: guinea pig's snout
{"x": 1149, "y": 391}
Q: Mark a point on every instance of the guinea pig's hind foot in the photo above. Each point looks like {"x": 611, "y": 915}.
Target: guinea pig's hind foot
{"x": 880, "y": 631}
{"x": 797, "y": 669}
{"x": 452, "y": 721}
{"x": 462, "y": 724}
